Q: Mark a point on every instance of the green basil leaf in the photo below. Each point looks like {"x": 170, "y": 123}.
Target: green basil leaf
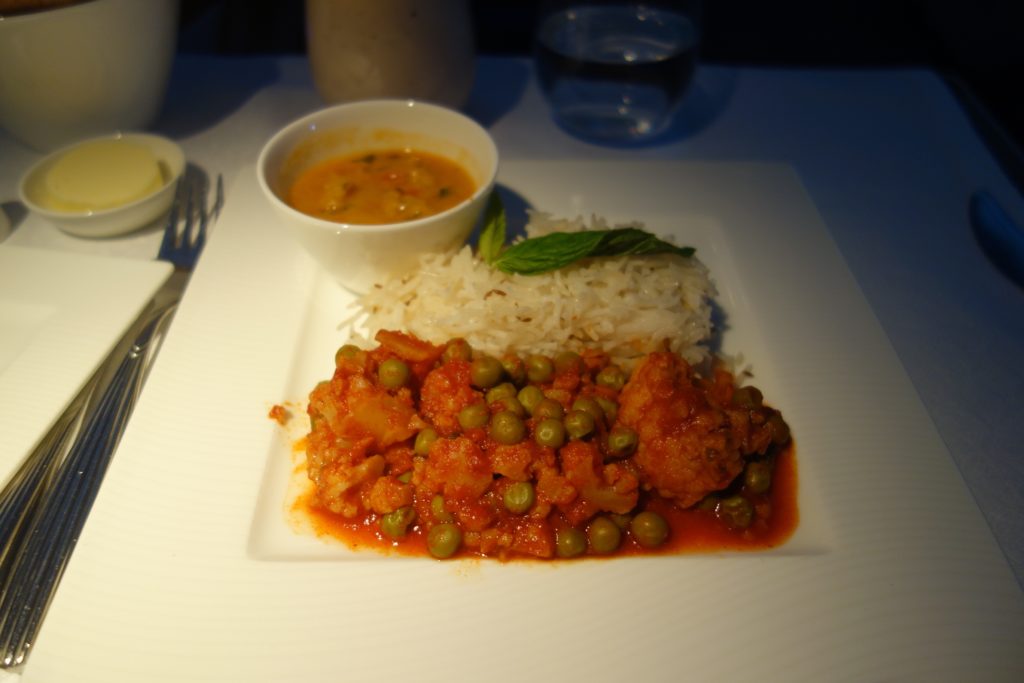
{"x": 492, "y": 235}
{"x": 559, "y": 249}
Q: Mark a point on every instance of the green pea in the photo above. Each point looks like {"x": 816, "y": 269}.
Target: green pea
{"x": 393, "y": 373}
{"x": 457, "y": 349}
{"x": 443, "y": 540}
{"x": 485, "y": 372}
{"x": 649, "y": 529}
{"x": 548, "y": 407}
{"x": 474, "y": 416}
{"x": 568, "y": 361}
{"x": 611, "y": 376}
{"x": 438, "y": 509}
{"x": 549, "y": 432}
{"x": 530, "y": 396}
{"x": 348, "y": 351}
{"x": 570, "y": 542}
{"x": 503, "y": 390}
{"x": 539, "y": 368}
{"x": 604, "y": 535}
{"x": 780, "y": 430}
{"x": 590, "y": 406}
{"x": 507, "y": 428}
{"x": 511, "y": 404}
{"x": 736, "y": 511}
{"x": 757, "y": 476}
{"x": 405, "y": 477}
{"x": 748, "y": 397}
{"x": 709, "y": 503}
{"x": 514, "y": 369}
{"x": 396, "y": 523}
{"x": 424, "y": 440}
{"x": 578, "y": 424}
{"x": 610, "y": 408}
{"x": 622, "y": 442}
{"x": 519, "y": 497}
{"x": 621, "y": 521}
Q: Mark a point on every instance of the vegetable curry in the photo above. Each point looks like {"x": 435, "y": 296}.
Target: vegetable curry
{"x": 435, "y": 449}
{"x": 383, "y": 186}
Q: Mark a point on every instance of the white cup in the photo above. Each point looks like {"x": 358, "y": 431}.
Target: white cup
{"x": 410, "y": 49}
{"x": 86, "y": 69}
{"x": 360, "y": 256}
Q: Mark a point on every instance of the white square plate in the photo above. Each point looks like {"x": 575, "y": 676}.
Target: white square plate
{"x": 60, "y": 315}
{"x": 187, "y": 569}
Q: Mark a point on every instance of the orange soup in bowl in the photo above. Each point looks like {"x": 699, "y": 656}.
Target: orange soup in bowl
{"x": 381, "y": 186}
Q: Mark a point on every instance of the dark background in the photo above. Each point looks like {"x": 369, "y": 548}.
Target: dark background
{"x": 978, "y": 46}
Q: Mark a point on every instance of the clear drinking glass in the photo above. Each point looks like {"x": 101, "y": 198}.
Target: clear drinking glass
{"x": 616, "y": 71}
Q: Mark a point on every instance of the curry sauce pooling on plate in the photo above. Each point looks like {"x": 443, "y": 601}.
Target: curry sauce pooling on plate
{"x": 383, "y": 186}
{"x": 427, "y": 449}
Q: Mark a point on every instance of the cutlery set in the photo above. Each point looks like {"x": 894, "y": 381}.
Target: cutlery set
{"x": 44, "y": 506}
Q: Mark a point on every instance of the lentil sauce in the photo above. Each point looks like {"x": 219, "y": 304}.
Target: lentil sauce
{"x": 379, "y": 187}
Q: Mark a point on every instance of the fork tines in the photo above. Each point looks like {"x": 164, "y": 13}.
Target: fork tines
{"x": 182, "y": 246}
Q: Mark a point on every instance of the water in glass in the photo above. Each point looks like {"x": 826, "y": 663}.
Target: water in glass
{"x": 615, "y": 72}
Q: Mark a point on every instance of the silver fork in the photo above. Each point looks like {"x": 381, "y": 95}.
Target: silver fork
{"x": 182, "y": 247}
{"x": 48, "y": 533}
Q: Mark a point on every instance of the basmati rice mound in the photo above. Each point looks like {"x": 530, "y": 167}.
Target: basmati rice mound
{"x": 625, "y": 306}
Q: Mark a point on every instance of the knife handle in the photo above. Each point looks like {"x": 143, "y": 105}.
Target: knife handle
{"x": 54, "y": 527}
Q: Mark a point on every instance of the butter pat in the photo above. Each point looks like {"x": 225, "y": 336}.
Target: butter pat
{"x": 101, "y": 175}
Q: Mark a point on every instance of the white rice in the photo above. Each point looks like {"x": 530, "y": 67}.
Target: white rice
{"x": 625, "y": 306}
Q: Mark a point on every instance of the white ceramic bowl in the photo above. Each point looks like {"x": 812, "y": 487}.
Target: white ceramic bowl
{"x": 113, "y": 221}
{"x": 86, "y": 69}
{"x": 360, "y": 255}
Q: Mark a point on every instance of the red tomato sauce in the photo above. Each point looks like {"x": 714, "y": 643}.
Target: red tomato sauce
{"x": 692, "y": 530}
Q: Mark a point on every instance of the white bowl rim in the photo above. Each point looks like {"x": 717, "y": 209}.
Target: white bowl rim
{"x": 319, "y": 223}
{"x": 39, "y": 13}
{"x": 177, "y": 165}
